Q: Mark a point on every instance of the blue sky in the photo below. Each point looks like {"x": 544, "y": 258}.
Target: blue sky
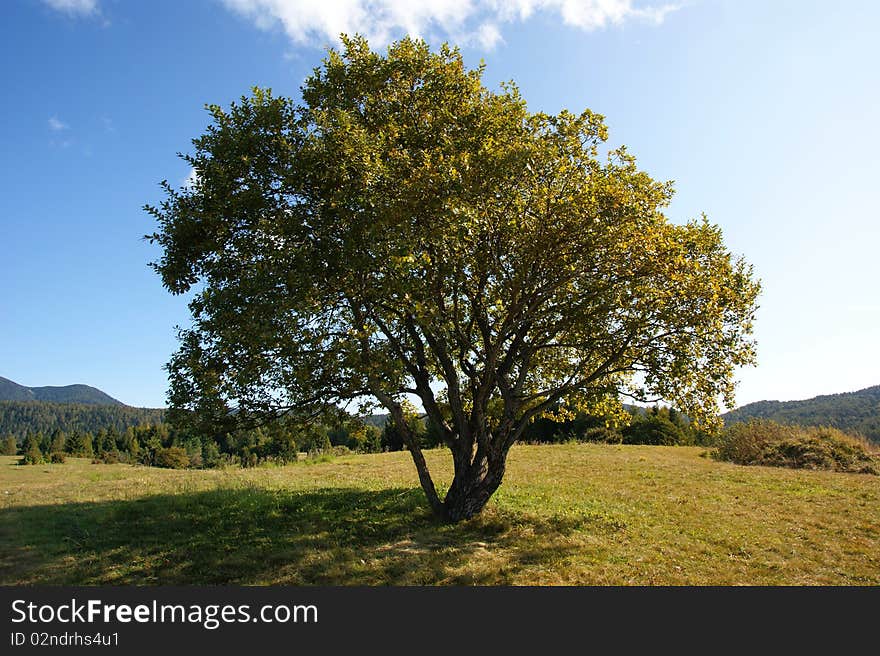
{"x": 764, "y": 114}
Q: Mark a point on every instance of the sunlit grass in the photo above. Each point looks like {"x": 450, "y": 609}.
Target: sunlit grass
{"x": 566, "y": 514}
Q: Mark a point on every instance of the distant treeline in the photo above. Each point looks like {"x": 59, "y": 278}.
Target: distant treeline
{"x": 657, "y": 425}
{"x": 642, "y": 425}
{"x": 19, "y": 417}
{"x": 853, "y": 412}
{"x": 161, "y": 444}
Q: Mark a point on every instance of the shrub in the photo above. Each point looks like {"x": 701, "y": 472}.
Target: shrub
{"x": 603, "y": 434}
{"x": 57, "y": 457}
{"x": 31, "y": 454}
{"x": 765, "y": 442}
{"x": 112, "y": 457}
{"x": 172, "y": 457}
{"x": 653, "y": 429}
{"x": 31, "y": 457}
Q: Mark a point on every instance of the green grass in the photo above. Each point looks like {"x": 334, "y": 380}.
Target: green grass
{"x": 566, "y": 514}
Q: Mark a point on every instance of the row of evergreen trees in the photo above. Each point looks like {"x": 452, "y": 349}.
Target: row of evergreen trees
{"x": 163, "y": 445}
{"x": 280, "y": 442}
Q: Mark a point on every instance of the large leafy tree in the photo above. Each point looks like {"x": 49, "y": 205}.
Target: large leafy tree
{"x": 403, "y": 230}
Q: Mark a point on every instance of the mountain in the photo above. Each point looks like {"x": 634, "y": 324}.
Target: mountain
{"x": 378, "y": 421}
{"x": 852, "y": 411}
{"x": 82, "y": 394}
{"x": 18, "y": 418}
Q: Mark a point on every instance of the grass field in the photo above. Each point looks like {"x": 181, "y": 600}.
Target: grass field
{"x": 566, "y": 514}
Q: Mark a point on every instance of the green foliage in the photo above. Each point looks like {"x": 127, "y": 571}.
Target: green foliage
{"x": 114, "y": 456}
{"x": 357, "y": 436}
{"x": 766, "y": 442}
{"x": 603, "y": 434}
{"x": 172, "y": 457}
{"x": 79, "y": 444}
{"x": 656, "y": 425}
{"x": 405, "y": 230}
{"x": 653, "y": 430}
{"x": 363, "y": 438}
{"x": 393, "y": 439}
{"x": 31, "y": 454}
{"x": 560, "y": 425}
{"x": 9, "y": 446}
{"x": 852, "y": 412}
{"x": 659, "y": 426}
{"x": 211, "y": 455}
{"x": 18, "y": 417}
{"x": 57, "y": 457}
{"x": 58, "y": 442}
{"x": 315, "y": 439}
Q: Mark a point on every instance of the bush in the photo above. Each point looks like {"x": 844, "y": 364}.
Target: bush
{"x": 654, "y": 429}
{"x": 31, "y": 454}
{"x": 172, "y": 457}
{"x": 603, "y": 434}
{"x": 57, "y": 457}
{"x": 765, "y": 442}
{"x": 112, "y": 457}
{"x": 31, "y": 457}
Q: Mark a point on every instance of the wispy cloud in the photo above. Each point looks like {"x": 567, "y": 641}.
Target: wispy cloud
{"x": 57, "y": 125}
{"x": 473, "y": 22}
{"x": 74, "y": 7}
{"x": 190, "y": 181}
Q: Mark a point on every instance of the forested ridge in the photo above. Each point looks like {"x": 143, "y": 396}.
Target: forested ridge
{"x": 83, "y": 394}
{"x": 20, "y": 417}
{"x": 851, "y": 411}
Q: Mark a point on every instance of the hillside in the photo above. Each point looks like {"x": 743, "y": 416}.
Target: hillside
{"x": 20, "y": 417}
{"x": 573, "y": 514}
{"x": 82, "y": 394}
{"x": 852, "y": 411}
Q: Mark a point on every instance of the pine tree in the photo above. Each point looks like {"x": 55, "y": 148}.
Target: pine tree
{"x": 58, "y": 440}
{"x": 10, "y": 447}
{"x": 32, "y": 454}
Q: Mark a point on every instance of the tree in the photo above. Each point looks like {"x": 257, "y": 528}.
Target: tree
{"x": 58, "y": 441}
{"x": 10, "y": 447}
{"x": 31, "y": 454}
{"x": 79, "y": 444}
{"x": 405, "y": 230}
{"x": 653, "y": 428}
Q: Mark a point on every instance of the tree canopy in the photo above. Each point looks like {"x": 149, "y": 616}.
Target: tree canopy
{"x": 403, "y": 230}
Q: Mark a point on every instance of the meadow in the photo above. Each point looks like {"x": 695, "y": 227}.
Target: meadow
{"x": 570, "y": 514}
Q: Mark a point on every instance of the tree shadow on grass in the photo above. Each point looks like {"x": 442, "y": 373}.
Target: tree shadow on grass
{"x": 334, "y": 536}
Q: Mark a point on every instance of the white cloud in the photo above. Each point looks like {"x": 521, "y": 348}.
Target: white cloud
{"x": 488, "y": 36}
{"x": 466, "y": 21}
{"x": 74, "y": 7}
{"x": 57, "y": 125}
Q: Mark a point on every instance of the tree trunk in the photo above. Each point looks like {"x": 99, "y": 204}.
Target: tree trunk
{"x": 472, "y": 488}
{"x": 412, "y": 445}
{"x": 476, "y": 476}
